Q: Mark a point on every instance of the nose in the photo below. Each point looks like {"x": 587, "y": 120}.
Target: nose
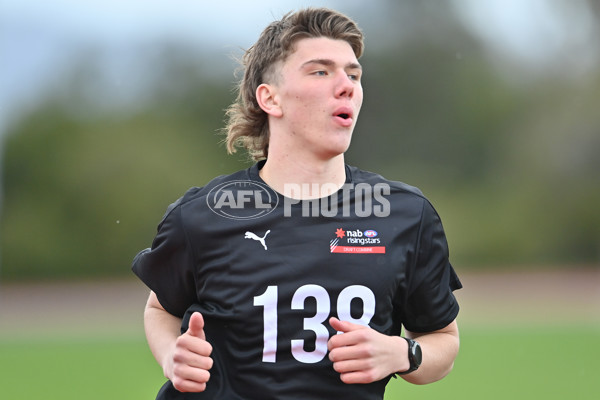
{"x": 345, "y": 86}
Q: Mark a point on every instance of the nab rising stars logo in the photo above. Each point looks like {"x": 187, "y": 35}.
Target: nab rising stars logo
{"x": 356, "y": 241}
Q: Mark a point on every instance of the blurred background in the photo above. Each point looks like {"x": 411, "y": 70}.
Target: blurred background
{"x": 110, "y": 110}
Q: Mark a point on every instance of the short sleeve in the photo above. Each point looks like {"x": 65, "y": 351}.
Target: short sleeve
{"x": 167, "y": 267}
{"x": 430, "y": 304}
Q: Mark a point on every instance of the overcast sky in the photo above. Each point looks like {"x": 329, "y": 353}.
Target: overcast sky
{"x": 37, "y": 36}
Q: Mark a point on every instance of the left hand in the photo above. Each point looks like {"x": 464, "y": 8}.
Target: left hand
{"x": 362, "y": 355}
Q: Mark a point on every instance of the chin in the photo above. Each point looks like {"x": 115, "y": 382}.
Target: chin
{"x": 336, "y": 151}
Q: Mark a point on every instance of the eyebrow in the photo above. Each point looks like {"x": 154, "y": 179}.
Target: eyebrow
{"x": 327, "y": 62}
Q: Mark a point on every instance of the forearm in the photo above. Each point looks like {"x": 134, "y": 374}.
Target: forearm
{"x": 162, "y": 330}
{"x": 440, "y": 349}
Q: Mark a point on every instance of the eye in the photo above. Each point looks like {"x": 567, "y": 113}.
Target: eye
{"x": 320, "y": 73}
{"x": 354, "y": 77}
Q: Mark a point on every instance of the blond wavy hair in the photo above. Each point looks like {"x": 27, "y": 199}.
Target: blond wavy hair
{"x": 247, "y": 124}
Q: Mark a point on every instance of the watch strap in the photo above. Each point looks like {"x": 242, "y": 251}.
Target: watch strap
{"x": 414, "y": 362}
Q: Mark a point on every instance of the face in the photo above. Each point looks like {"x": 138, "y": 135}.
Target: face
{"x": 318, "y": 95}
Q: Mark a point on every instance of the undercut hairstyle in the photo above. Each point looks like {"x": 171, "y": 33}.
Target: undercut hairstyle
{"x": 247, "y": 124}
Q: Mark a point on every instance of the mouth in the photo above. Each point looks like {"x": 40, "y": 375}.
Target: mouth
{"x": 344, "y": 116}
{"x": 343, "y": 112}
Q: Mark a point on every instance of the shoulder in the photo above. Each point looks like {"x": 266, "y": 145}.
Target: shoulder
{"x": 360, "y": 176}
{"x": 199, "y": 193}
{"x": 400, "y": 194}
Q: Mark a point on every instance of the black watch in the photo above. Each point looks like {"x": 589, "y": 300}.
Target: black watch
{"x": 415, "y": 356}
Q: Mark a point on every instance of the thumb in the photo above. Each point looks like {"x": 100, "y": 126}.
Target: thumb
{"x": 344, "y": 326}
{"x": 196, "y": 326}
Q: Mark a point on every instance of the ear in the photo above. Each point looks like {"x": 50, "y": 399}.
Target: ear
{"x": 266, "y": 96}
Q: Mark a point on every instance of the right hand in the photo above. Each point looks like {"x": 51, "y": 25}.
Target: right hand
{"x": 188, "y": 364}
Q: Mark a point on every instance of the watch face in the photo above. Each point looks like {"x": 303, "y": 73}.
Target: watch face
{"x": 417, "y": 353}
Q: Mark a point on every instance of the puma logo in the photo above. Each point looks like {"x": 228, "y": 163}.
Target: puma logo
{"x": 250, "y": 235}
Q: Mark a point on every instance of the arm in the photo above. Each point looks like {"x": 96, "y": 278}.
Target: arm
{"x": 440, "y": 349}
{"x": 362, "y": 355}
{"x": 185, "y": 359}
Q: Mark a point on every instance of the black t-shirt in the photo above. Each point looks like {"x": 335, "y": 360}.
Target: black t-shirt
{"x": 267, "y": 272}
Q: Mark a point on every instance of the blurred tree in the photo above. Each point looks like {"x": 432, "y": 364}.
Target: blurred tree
{"x": 85, "y": 189}
{"x": 483, "y": 143}
{"x": 511, "y": 165}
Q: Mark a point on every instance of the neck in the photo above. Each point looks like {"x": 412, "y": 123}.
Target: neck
{"x": 304, "y": 179}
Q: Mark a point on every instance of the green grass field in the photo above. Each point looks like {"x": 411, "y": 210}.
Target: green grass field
{"x": 533, "y": 363}
{"x": 528, "y": 335}
{"x": 516, "y": 363}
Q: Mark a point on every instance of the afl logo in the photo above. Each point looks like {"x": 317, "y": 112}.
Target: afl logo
{"x": 242, "y": 200}
{"x": 370, "y": 233}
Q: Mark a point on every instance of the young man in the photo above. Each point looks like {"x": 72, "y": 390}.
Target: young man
{"x": 294, "y": 278}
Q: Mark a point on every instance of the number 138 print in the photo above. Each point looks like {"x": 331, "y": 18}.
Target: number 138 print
{"x": 269, "y": 299}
